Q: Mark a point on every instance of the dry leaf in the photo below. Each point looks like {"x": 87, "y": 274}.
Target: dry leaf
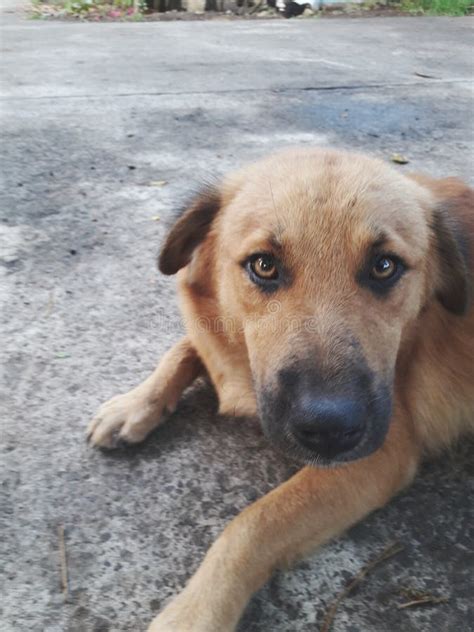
{"x": 399, "y": 159}
{"x": 424, "y": 76}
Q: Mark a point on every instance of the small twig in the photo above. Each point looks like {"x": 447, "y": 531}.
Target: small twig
{"x": 63, "y": 562}
{"x": 389, "y": 551}
{"x": 419, "y": 598}
{"x": 50, "y": 305}
{"x": 427, "y": 599}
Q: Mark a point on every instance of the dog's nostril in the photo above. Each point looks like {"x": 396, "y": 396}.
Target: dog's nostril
{"x": 329, "y": 434}
{"x": 350, "y": 433}
{"x": 307, "y": 433}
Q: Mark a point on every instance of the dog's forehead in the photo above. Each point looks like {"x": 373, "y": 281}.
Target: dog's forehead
{"x": 314, "y": 197}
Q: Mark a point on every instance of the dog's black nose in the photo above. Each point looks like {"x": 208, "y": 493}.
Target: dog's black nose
{"x": 328, "y": 425}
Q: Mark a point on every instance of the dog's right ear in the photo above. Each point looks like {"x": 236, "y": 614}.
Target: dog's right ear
{"x": 453, "y": 291}
{"x": 189, "y": 231}
{"x": 453, "y": 229}
{"x": 452, "y": 226}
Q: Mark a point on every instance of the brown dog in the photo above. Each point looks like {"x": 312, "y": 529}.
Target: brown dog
{"x": 329, "y": 294}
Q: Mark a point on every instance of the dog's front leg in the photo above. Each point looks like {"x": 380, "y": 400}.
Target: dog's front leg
{"x": 312, "y": 507}
{"x": 133, "y": 415}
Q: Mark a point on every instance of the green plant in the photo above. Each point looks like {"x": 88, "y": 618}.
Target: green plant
{"x": 438, "y": 7}
{"x": 78, "y": 6}
{"x": 89, "y": 9}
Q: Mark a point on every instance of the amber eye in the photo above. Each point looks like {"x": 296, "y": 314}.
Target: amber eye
{"x": 384, "y": 268}
{"x": 264, "y": 267}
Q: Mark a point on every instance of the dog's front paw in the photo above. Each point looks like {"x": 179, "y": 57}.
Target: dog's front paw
{"x": 126, "y": 418}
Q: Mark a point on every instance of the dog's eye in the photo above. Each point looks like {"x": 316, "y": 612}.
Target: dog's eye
{"x": 264, "y": 267}
{"x": 384, "y": 268}
{"x": 382, "y": 272}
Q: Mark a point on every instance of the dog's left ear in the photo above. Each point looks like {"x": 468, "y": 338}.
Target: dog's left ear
{"x": 189, "y": 231}
{"x": 453, "y": 228}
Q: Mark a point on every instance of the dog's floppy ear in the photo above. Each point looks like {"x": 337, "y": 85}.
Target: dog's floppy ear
{"x": 453, "y": 226}
{"x": 189, "y": 231}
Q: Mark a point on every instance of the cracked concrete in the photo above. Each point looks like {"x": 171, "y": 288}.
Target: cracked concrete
{"x": 92, "y": 115}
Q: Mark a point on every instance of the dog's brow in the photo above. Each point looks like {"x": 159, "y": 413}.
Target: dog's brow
{"x": 380, "y": 239}
{"x": 275, "y": 243}
{"x": 280, "y": 226}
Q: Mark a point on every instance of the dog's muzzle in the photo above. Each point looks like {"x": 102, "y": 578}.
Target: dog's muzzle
{"x": 323, "y": 422}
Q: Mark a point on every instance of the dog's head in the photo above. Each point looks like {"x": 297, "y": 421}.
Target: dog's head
{"x": 323, "y": 261}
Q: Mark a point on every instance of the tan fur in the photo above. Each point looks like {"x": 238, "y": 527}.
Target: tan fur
{"x": 322, "y": 209}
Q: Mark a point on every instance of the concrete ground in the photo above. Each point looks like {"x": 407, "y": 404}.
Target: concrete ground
{"x": 93, "y": 116}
